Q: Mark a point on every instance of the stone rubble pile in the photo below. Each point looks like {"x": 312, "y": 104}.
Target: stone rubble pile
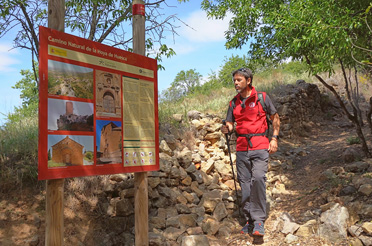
{"x": 192, "y": 198}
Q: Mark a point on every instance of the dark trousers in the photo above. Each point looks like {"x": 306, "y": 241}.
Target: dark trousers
{"x": 252, "y": 168}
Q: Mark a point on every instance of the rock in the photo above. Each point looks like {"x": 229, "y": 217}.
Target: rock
{"x": 351, "y": 154}
{"x": 367, "y": 241}
{"x": 210, "y": 225}
{"x": 163, "y": 147}
{"x": 34, "y": 241}
{"x": 348, "y": 190}
{"x": 290, "y": 227}
{"x": 213, "y": 136}
{"x": 183, "y": 209}
{"x": 187, "y": 181}
{"x": 207, "y": 166}
{"x": 210, "y": 200}
{"x": 334, "y": 223}
{"x": 358, "y": 180}
{"x": 220, "y": 211}
{"x": 327, "y": 175}
{"x": 366, "y": 210}
{"x": 355, "y": 231}
{"x": 355, "y": 242}
{"x": 166, "y": 162}
{"x": 153, "y": 182}
{"x": 119, "y": 177}
{"x": 157, "y": 222}
{"x": 367, "y": 228}
{"x": 223, "y": 169}
{"x": 156, "y": 239}
{"x": 365, "y": 189}
{"x": 357, "y": 167}
{"x": 290, "y": 238}
{"x": 172, "y": 233}
{"x": 187, "y": 220}
{"x": 194, "y": 187}
{"x": 275, "y": 166}
{"x": 195, "y": 230}
{"x": 173, "y": 222}
{"x": 194, "y": 115}
{"x": 195, "y": 240}
{"x": 184, "y": 157}
{"x": 172, "y": 142}
{"x": 308, "y": 229}
{"x": 177, "y": 117}
{"x": 124, "y": 207}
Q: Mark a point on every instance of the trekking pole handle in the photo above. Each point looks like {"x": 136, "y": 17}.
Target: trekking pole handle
{"x": 224, "y": 123}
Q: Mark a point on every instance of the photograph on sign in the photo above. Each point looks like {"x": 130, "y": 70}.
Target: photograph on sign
{"x": 70, "y": 115}
{"x": 69, "y": 150}
{"x": 108, "y": 142}
{"x": 70, "y": 80}
{"x": 98, "y": 108}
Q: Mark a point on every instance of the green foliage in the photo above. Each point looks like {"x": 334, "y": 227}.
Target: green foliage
{"x": 231, "y": 64}
{"x": 185, "y": 83}
{"x": 353, "y": 140}
{"x": 18, "y": 151}
{"x": 29, "y": 95}
{"x": 89, "y": 155}
{"x": 317, "y": 31}
{"x": 294, "y": 67}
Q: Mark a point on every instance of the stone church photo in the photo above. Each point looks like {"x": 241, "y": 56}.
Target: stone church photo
{"x": 108, "y": 94}
{"x": 69, "y": 150}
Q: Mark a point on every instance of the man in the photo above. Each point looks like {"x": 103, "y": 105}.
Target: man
{"x": 252, "y": 146}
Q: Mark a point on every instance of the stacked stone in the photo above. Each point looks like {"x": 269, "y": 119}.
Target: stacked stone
{"x": 299, "y": 106}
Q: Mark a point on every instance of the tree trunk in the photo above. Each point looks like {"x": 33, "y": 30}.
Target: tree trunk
{"x": 369, "y": 114}
{"x": 352, "y": 117}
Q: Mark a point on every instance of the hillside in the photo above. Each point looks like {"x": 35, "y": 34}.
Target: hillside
{"x": 315, "y": 174}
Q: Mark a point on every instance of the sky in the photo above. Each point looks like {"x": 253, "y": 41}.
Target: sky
{"x": 201, "y": 47}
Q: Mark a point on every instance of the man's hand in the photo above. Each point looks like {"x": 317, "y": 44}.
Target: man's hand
{"x": 224, "y": 129}
{"x": 227, "y": 127}
{"x": 273, "y": 146}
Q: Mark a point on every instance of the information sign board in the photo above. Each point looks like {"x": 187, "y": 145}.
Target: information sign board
{"x": 98, "y": 108}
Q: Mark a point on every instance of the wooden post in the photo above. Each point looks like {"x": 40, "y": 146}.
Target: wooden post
{"x": 141, "y": 202}
{"x": 54, "y": 212}
{"x": 55, "y": 187}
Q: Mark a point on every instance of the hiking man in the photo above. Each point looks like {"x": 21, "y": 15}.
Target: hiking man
{"x": 252, "y": 111}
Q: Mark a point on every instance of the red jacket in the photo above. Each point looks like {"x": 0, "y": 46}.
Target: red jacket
{"x": 250, "y": 119}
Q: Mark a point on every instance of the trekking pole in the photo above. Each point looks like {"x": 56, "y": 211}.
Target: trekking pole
{"x": 232, "y": 168}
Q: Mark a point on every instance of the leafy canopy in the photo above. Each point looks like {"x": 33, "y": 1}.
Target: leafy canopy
{"x": 319, "y": 31}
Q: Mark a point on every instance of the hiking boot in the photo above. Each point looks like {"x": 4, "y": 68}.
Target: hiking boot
{"x": 248, "y": 228}
{"x": 258, "y": 229}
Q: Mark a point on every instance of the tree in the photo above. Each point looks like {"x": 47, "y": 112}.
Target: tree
{"x": 317, "y": 32}
{"x": 29, "y": 95}
{"x": 186, "y": 81}
{"x": 104, "y": 21}
{"x": 230, "y": 65}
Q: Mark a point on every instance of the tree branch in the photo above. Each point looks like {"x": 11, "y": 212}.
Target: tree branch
{"x": 116, "y": 22}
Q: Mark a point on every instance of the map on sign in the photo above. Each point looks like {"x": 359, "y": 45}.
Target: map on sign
{"x": 98, "y": 108}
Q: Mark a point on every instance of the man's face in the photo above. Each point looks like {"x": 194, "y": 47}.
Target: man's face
{"x": 241, "y": 83}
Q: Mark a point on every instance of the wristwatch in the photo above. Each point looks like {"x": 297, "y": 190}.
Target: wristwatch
{"x": 276, "y": 137}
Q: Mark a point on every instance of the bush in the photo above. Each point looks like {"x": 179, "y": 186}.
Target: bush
{"x": 19, "y": 151}
{"x": 353, "y": 140}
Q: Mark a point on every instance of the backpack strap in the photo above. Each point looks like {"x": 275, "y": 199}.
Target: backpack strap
{"x": 261, "y": 100}
{"x": 233, "y": 102}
